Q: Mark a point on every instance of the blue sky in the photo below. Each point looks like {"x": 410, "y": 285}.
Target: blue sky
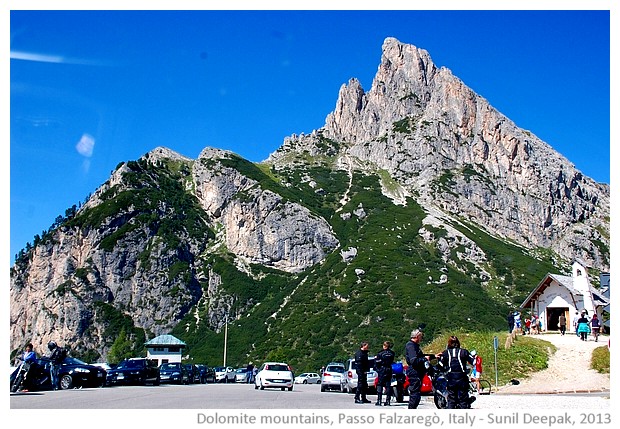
{"x": 91, "y": 89}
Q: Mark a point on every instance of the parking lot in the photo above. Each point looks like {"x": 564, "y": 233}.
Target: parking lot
{"x": 244, "y": 396}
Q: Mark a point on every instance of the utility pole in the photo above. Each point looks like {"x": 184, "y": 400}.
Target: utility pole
{"x": 225, "y": 338}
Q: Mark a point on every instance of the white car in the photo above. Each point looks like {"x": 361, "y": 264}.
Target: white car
{"x": 274, "y": 375}
{"x": 334, "y": 377}
{"x": 308, "y": 378}
{"x": 224, "y": 374}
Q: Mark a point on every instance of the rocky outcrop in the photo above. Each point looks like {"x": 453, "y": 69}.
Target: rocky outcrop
{"x": 260, "y": 226}
{"x": 448, "y": 145}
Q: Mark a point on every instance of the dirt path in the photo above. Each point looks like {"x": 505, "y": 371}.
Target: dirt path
{"x": 569, "y": 368}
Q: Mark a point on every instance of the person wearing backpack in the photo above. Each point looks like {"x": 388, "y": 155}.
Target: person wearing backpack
{"x": 57, "y": 357}
{"x": 455, "y": 359}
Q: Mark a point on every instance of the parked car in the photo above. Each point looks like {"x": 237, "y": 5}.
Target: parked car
{"x": 72, "y": 373}
{"x": 334, "y": 377}
{"x": 134, "y": 371}
{"x": 224, "y": 374}
{"x": 308, "y": 378}
{"x": 207, "y": 374}
{"x": 351, "y": 375}
{"x": 274, "y": 374}
{"x": 103, "y": 365}
{"x": 173, "y": 372}
{"x": 192, "y": 373}
{"x": 241, "y": 375}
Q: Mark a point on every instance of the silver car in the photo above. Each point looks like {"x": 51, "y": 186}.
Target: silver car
{"x": 351, "y": 375}
{"x": 334, "y": 377}
{"x": 241, "y": 375}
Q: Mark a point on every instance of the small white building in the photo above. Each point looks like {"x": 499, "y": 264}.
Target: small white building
{"x": 164, "y": 349}
{"x": 568, "y": 295}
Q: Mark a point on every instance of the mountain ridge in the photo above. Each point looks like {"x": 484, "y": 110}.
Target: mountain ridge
{"x": 414, "y": 197}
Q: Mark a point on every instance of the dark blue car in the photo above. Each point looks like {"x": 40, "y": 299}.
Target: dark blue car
{"x": 134, "y": 371}
{"x": 173, "y": 372}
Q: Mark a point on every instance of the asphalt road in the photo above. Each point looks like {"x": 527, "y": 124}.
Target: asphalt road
{"x": 245, "y": 397}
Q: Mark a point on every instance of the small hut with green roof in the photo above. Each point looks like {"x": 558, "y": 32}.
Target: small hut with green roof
{"x": 164, "y": 349}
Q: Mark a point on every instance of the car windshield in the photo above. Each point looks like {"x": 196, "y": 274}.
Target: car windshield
{"x": 338, "y": 369}
{"x": 73, "y": 361}
{"x": 170, "y": 366}
{"x": 276, "y": 367}
{"x": 220, "y": 369}
{"x": 131, "y": 364}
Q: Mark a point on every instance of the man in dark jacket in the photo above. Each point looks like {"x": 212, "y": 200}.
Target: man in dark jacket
{"x": 418, "y": 365}
{"x": 361, "y": 368}
{"x": 57, "y": 357}
{"x": 383, "y": 366}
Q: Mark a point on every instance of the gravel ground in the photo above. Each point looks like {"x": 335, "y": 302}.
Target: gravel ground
{"x": 569, "y": 368}
{"x": 568, "y": 383}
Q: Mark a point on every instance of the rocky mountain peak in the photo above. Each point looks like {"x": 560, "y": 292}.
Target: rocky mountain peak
{"x": 440, "y": 140}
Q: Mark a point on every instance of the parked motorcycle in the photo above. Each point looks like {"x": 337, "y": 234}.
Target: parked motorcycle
{"x": 19, "y": 378}
{"x": 30, "y": 376}
{"x": 400, "y": 383}
{"x": 439, "y": 386}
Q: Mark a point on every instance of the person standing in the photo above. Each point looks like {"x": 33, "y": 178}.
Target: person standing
{"x": 576, "y": 323}
{"x": 562, "y": 322}
{"x": 476, "y": 372}
{"x": 57, "y": 357}
{"x": 362, "y": 366}
{"x": 596, "y": 326}
{"x": 249, "y": 370}
{"x": 418, "y": 365}
{"x": 455, "y": 360}
{"x": 511, "y": 322}
{"x": 517, "y": 321}
{"x": 583, "y": 327}
{"x": 383, "y": 365}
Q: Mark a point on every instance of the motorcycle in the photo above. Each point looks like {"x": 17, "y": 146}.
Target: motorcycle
{"x": 18, "y": 378}
{"x": 400, "y": 383}
{"x": 30, "y": 376}
{"x": 439, "y": 386}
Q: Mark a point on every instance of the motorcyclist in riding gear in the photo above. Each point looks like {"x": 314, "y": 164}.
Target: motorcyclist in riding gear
{"x": 56, "y": 357}
{"x": 418, "y": 366}
{"x": 455, "y": 359}
{"x": 363, "y": 366}
{"x": 383, "y": 366}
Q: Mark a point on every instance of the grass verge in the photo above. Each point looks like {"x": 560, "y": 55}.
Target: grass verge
{"x": 600, "y": 359}
{"x": 525, "y": 356}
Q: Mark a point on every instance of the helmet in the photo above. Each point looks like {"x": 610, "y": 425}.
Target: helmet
{"x": 51, "y": 345}
{"x": 473, "y": 353}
